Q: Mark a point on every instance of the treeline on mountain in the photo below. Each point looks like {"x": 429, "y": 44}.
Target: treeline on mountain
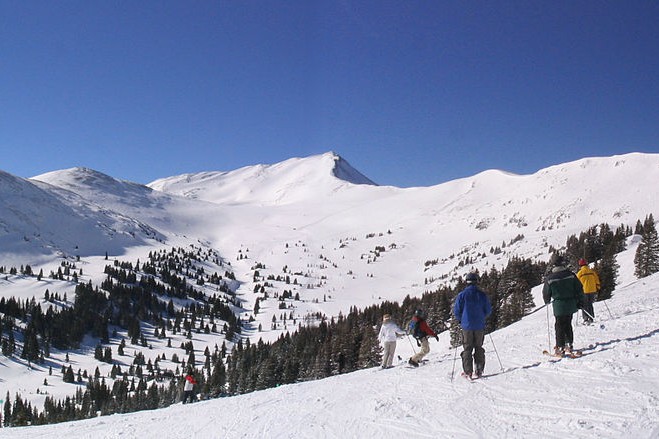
{"x": 122, "y": 302}
{"x": 333, "y": 346}
{"x": 349, "y": 343}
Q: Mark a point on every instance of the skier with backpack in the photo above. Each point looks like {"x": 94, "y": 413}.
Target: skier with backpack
{"x": 420, "y": 330}
{"x": 470, "y": 309}
{"x": 564, "y": 290}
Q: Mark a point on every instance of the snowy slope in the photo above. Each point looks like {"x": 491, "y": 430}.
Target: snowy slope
{"x": 611, "y": 392}
{"x": 38, "y": 221}
{"x": 299, "y": 214}
{"x": 316, "y": 217}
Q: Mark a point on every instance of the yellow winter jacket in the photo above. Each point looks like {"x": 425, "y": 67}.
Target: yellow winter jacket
{"x": 589, "y": 279}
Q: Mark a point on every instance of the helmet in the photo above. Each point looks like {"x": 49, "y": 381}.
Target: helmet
{"x": 559, "y": 261}
{"x": 471, "y": 278}
{"x": 419, "y": 313}
{"x": 582, "y": 262}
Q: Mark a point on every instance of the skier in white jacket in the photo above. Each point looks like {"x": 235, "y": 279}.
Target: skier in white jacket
{"x": 388, "y": 334}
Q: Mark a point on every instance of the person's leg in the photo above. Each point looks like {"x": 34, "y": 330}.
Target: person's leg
{"x": 588, "y": 311}
{"x": 560, "y": 333}
{"x": 468, "y": 344}
{"x": 569, "y": 334}
{"x": 425, "y": 349}
{"x": 479, "y": 352}
{"x": 387, "y": 355}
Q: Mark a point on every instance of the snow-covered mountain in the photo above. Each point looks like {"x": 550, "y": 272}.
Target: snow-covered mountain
{"x": 305, "y": 210}
{"x": 347, "y": 241}
{"x": 320, "y": 217}
{"x": 39, "y": 222}
{"x": 290, "y": 181}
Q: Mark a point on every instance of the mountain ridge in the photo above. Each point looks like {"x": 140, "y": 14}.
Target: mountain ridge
{"x": 306, "y": 192}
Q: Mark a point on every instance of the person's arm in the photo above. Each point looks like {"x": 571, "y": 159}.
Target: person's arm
{"x": 457, "y": 308}
{"x": 427, "y": 329}
{"x": 546, "y": 293}
{"x": 487, "y": 306}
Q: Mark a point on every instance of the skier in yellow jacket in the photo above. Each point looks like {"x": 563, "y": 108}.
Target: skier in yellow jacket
{"x": 591, "y": 286}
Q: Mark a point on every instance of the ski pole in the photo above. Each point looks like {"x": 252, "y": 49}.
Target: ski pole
{"x": 411, "y": 344}
{"x": 495, "y": 351}
{"x": 455, "y": 355}
{"x": 548, "y": 333}
{"x": 607, "y": 308}
{"x": 588, "y": 314}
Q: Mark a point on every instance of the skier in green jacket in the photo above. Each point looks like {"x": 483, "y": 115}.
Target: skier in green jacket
{"x": 565, "y": 290}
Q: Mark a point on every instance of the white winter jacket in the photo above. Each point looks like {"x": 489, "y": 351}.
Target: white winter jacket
{"x": 389, "y": 331}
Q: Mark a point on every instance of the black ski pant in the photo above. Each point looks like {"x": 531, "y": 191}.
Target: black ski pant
{"x": 588, "y": 311}
{"x": 564, "y": 335}
{"x": 472, "y": 342}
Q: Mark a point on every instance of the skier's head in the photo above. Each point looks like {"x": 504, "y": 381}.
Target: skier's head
{"x": 419, "y": 313}
{"x": 559, "y": 261}
{"x": 471, "y": 278}
{"x": 582, "y": 262}
{"x": 386, "y": 318}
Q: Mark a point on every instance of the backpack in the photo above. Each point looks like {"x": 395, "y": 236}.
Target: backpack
{"x": 414, "y": 328}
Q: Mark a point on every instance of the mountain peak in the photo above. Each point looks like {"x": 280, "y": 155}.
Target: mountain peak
{"x": 344, "y": 171}
{"x": 295, "y": 179}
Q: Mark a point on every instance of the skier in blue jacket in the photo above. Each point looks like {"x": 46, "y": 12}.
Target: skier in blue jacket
{"x": 470, "y": 309}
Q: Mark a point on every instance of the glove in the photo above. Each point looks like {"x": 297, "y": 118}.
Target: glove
{"x": 437, "y": 337}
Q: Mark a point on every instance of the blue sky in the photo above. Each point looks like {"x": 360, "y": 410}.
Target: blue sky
{"x": 411, "y": 93}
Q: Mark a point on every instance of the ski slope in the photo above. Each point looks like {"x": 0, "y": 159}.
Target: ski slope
{"x": 610, "y": 392}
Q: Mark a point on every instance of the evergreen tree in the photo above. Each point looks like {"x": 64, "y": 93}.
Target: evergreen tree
{"x": 30, "y": 344}
{"x": 608, "y": 274}
{"x": 7, "y": 411}
{"x": 646, "y": 260}
{"x": 69, "y": 377}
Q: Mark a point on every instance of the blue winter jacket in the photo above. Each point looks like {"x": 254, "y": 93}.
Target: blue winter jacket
{"x": 471, "y": 308}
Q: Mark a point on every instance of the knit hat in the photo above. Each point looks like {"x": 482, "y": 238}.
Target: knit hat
{"x": 582, "y": 262}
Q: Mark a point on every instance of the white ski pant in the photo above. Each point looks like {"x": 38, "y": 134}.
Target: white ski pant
{"x": 425, "y": 349}
{"x": 388, "y": 354}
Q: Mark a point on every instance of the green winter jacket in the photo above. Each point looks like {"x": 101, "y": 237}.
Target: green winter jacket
{"x": 566, "y": 291}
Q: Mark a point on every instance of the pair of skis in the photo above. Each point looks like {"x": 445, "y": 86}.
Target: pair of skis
{"x": 571, "y": 354}
{"x": 471, "y": 377}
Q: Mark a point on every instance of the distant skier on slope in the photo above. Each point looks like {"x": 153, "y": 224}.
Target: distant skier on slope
{"x": 470, "y": 309}
{"x": 591, "y": 286}
{"x": 564, "y": 288}
{"x": 420, "y": 330}
{"x": 389, "y": 331}
{"x": 188, "y": 389}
